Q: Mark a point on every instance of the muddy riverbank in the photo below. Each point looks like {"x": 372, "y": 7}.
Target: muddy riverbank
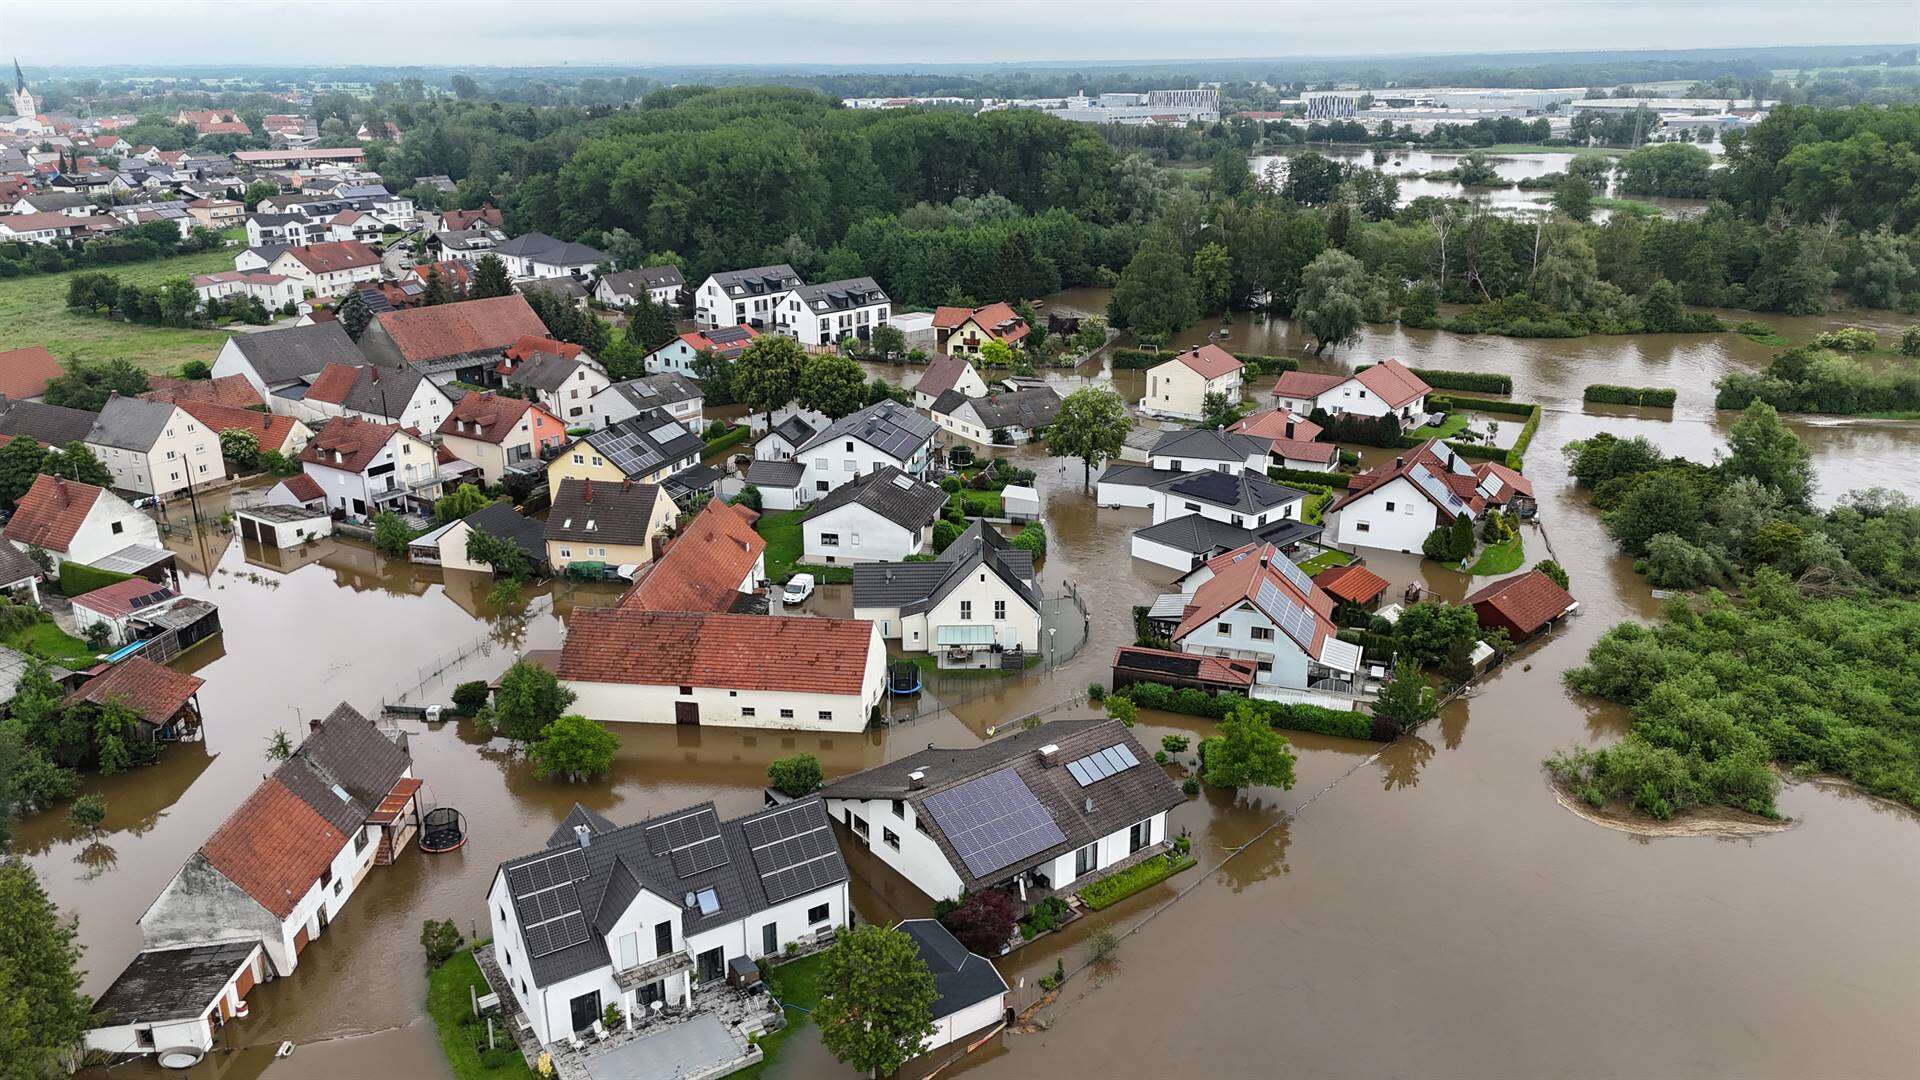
{"x": 1434, "y": 914}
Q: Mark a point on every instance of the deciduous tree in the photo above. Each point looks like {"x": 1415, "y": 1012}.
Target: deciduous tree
{"x": 530, "y": 697}
{"x": 832, "y": 385}
{"x": 1247, "y": 752}
{"x": 876, "y": 999}
{"x": 574, "y": 747}
{"x": 1092, "y": 425}
{"x": 45, "y": 1012}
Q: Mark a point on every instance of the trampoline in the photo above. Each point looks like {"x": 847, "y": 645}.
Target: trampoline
{"x": 904, "y": 679}
{"x": 443, "y": 829}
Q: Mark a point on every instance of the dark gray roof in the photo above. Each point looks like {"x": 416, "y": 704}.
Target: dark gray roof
{"x": 888, "y": 426}
{"x": 1204, "y": 444}
{"x": 949, "y": 400}
{"x": 54, "y": 425}
{"x": 501, "y": 520}
{"x": 1196, "y": 534}
{"x": 568, "y": 287}
{"x": 634, "y": 282}
{"x": 1286, "y": 531}
{"x": 465, "y": 239}
{"x": 1122, "y": 799}
{"x": 891, "y": 493}
{"x": 349, "y": 754}
{"x": 961, "y": 978}
{"x": 546, "y": 371}
{"x": 758, "y": 281}
{"x": 918, "y": 586}
{"x": 46, "y": 201}
{"x": 1027, "y": 409}
{"x": 131, "y": 423}
{"x": 653, "y": 391}
{"x": 171, "y": 984}
{"x": 617, "y": 862}
{"x": 383, "y": 392}
{"x": 775, "y": 474}
{"x": 843, "y": 295}
{"x": 1137, "y": 475}
{"x": 297, "y": 352}
{"x": 550, "y": 250}
{"x": 15, "y": 566}
{"x": 643, "y": 443}
{"x": 795, "y": 429}
{"x": 617, "y": 513}
{"x": 269, "y": 252}
{"x": 563, "y": 833}
{"x": 692, "y": 480}
{"x": 1244, "y": 492}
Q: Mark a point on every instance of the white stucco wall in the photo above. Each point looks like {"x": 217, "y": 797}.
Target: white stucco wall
{"x": 722, "y": 707}
{"x": 1367, "y": 521}
{"x": 1283, "y": 662}
{"x": 918, "y": 858}
{"x": 863, "y": 536}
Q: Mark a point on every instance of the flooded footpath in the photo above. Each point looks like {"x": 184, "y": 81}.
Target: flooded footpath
{"x": 1433, "y": 912}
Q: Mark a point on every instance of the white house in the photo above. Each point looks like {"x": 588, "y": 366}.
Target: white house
{"x": 1179, "y": 387}
{"x": 827, "y": 313}
{"x": 1089, "y": 797}
{"x": 1292, "y": 440}
{"x": 1386, "y": 387}
{"x": 278, "y": 358}
{"x": 650, "y": 915}
{"x": 882, "y": 434}
{"x": 332, "y": 268}
{"x": 697, "y": 667}
{"x": 155, "y": 447}
{"x": 675, "y": 395}
{"x": 977, "y": 597}
{"x": 742, "y": 297}
{"x": 364, "y": 392}
{"x": 71, "y": 520}
{"x": 676, "y": 357}
{"x": 564, "y": 385}
{"x": 272, "y": 290}
{"x": 1009, "y": 418}
{"x": 972, "y": 992}
{"x": 783, "y": 440}
{"x": 883, "y": 516}
{"x": 1244, "y": 500}
{"x": 1394, "y": 506}
{"x": 947, "y": 372}
{"x": 1204, "y": 450}
{"x": 537, "y": 255}
{"x": 1257, "y": 605}
{"x": 660, "y": 284}
{"x": 366, "y": 467}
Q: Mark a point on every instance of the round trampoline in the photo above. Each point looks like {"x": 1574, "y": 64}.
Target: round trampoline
{"x": 443, "y": 829}
{"x": 904, "y": 679}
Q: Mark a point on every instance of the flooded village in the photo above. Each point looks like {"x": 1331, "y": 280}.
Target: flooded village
{"x": 1141, "y": 582}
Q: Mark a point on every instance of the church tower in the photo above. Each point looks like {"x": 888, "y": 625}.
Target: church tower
{"x": 23, "y": 102}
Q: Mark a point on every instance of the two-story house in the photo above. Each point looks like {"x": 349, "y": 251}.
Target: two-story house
{"x": 716, "y": 563}
{"x": 1256, "y": 605}
{"x": 607, "y": 523}
{"x": 947, "y": 372}
{"x": 281, "y": 434}
{"x": 363, "y": 392}
{"x": 155, "y": 448}
{"x": 645, "y": 449}
{"x": 650, "y": 915}
{"x": 828, "y": 313}
{"x": 537, "y": 255}
{"x": 675, "y": 395}
{"x": 331, "y": 268}
{"x": 660, "y": 284}
{"x": 1395, "y": 505}
{"x": 977, "y": 597}
{"x": 501, "y": 433}
{"x": 883, "y": 516}
{"x": 364, "y": 467}
{"x": 882, "y": 434}
{"x": 677, "y": 356}
{"x": 564, "y": 385}
{"x": 743, "y": 297}
{"x": 1198, "y": 515}
{"x": 1180, "y": 387}
{"x": 1386, "y": 387}
{"x": 1206, "y": 450}
{"x": 960, "y": 331}
{"x": 1292, "y": 440}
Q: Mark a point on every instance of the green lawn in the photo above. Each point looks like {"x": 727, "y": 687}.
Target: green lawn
{"x": 1324, "y": 561}
{"x": 797, "y": 984}
{"x": 1316, "y": 505}
{"x": 1500, "y": 558}
{"x": 33, "y": 311}
{"x": 462, "y": 1037}
{"x": 47, "y": 641}
{"x": 786, "y": 544}
{"x": 1455, "y": 422}
{"x": 980, "y": 503}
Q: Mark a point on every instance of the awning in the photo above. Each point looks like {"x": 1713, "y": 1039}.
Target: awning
{"x": 134, "y": 559}
{"x": 963, "y": 634}
{"x": 1169, "y": 606}
{"x": 1340, "y": 655}
{"x": 390, "y": 807}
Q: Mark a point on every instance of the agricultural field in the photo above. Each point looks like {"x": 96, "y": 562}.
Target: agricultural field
{"x": 33, "y": 311}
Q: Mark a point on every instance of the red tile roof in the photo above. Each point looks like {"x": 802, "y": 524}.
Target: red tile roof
{"x": 24, "y": 373}
{"x": 946, "y": 318}
{"x": 1353, "y": 583}
{"x": 304, "y": 487}
{"x": 1428, "y": 455}
{"x": 272, "y": 431}
{"x": 1528, "y": 601}
{"x": 154, "y": 692}
{"x": 703, "y": 567}
{"x": 230, "y": 390}
{"x": 357, "y": 441}
{"x": 51, "y": 512}
{"x": 700, "y": 342}
{"x": 274, "y": 847}
{"x": 333, "y": 383}
{"x": 1393, "y": 382}
{"x": 486, "y": 417}
{"x": 429, "y": 333}
{"x": 533, "y": 345}
{"x": 1239, "y": 576}
{"x": 334, "y": 256}
{"x": 1211, "y": 361}
{"x": 1276, "y": 424}
{"x": 998, "y": 319}
{"x": 941, "y": 375}
{"x": 1503, "y": 475}
{"x": 737, "y": 652}
{"x": 117, "y": 600}
{"x": 1306, "y": 384}
{"x": 456, "y": 275}
{"x": 458, "y": 220}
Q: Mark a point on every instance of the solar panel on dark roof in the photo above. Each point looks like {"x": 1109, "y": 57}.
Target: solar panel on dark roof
{"x": 994, "y": 821}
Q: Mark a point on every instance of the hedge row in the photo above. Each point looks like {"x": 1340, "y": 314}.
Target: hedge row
{"x": 1266, "y": 365}
{"x": 1448, "y": 404}
{"x": 1191, "y": 702}
{"x": 1659, "y": 397}
{"x": 76, "y": 579}
{"x": 1134, "y": 359}
{"x": 1109, "y": 891}
{"x": 1479, "y": 382}
{"x": 1307, "y": 477}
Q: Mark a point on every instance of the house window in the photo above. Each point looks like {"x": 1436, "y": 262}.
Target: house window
{"x": 359, "y": 841}
{"x": 828, "y": 539}
{"x": 1389, "y": 507}
{"x": 1086, "y": 860}
{"x": 143, "y": 1037}
{"x": 684, "y": 689}
{"x": 662, "y": 939}
{"x": 1261, "y": 633}
{"x": 1139, "y": 836}
{"x": 770, "y": 939}
{"x": 746, "y": 711}
{"x": 826, "y": 716}
{"x": 891, "y": 838}
{"x": 999, "y": 610}
{"x": 1361, "y": 526}
{"x": 629, "y": 950}
{"x": 966, "y": 611}
{"x": 899, "y": 808}
{"x": 1265, "y": 667}
{"x": 786, "y": 714}
{"x": 1224, "y": 628}
{"x": 118, "y": 528}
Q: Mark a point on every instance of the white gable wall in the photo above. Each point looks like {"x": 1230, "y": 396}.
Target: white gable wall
{"x": 860, "y": 535}
{"x": 1395, "y": 516}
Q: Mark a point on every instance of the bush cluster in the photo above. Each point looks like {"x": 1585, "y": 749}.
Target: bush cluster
{"x": 1660, "y": 397}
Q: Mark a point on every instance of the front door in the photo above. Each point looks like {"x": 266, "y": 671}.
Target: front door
{"x": 586, "y": 1010}
{"x": 686, "y": 712}
{"x": 713, "y": 965}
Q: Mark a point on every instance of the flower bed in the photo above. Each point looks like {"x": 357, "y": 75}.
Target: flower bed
{"x": 1109, "y": 891}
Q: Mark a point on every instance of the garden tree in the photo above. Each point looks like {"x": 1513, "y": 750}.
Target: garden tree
{"x": 354, "y": 315}
{"x": 1426, "y": 631}
{"x": 439, "y": 939}
{"x": 87, "y": 386}
{"x": 796, "y": 777}
{"x": 1574, "y": 198}
{"x": 1761, "y": 447}
{"x": 45, "y": 1012}
{"x": 489, "y": 278}
{"x": 996, "y": 353}
{"x": 1442, "y": 545}
{"x": 1217, "y": 412}
{"x": 1154, "y": 295}
{"x": 460, "y": 502}
{"x": 1092, "y": 333}
{"x": 1406, "y": 700}
{"x": 649, "y": 325}
{"x": 240, "y": 447}
{"x": 1212, "y": 276}
{"x": 889, "y": 342}
{"x": 196, "y": 369}
{"x": 567, "y": 322}
{"x": 1091, "y": 425}
{"x": 983, "y": 921}
{"x": 1554, "y": 571}
{"x": 1247, "y": 752}
{"x": 832, "y": 385}
{"x": 75, "y": 461}
{"x": 530, "y": 697}
{"x": 434, "y": 292}
{"x": 767, "y": 374}
{"x": 1122, "y": 708}
{"x": 715, "y": 373}
{"x": 574, "y": 747}
{"x": 1329, "y": 304}
{"x": 390, "y": 533}
{"x": 876, "y": 999}
{"x": 259, "y": 189}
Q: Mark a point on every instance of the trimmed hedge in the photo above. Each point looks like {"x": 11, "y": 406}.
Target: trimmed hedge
{"x": 1307, "y": 477}
{"x": 732, "y": 437}
{"x": 1136, "y": 359}
{"x": 1479, "y": 382}
{"x": 1109, "y": 891}
{"x": 1659, "y": 397}
{"x": 1446, "y": 403}
{"x": 76, "y": 579}
{"x": 1266, "y": 365}
{"x": 1512, "y": 459}
{"x": 1191, "y": 702}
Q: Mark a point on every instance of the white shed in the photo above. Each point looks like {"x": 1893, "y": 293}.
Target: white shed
{"x": 282, "y": 526}
{"x": 1019, "y": 502}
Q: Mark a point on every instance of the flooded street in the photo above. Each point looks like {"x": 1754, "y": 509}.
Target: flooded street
{"x": 1433, "y": 913}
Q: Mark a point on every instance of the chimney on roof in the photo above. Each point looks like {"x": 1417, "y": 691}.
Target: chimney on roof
{"x": 1086, "y": 805}
{"x": 314, "y": 724}
{"x": 583, "y": 834}
{"x": 60, "y": 488}
{"x": 917, "y": 779}
{"x": 1049, "y": 754}
{"x": 586, "y": 491}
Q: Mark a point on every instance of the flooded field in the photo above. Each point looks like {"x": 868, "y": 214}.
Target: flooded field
{"x": 1430, "y": 911}
{"x": 1412, "y": 166}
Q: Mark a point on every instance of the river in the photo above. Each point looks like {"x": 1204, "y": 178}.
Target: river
{"x": 1434, "y": 912}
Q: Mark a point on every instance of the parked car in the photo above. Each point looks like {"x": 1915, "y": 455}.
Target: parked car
{"x": 799, "y": 587}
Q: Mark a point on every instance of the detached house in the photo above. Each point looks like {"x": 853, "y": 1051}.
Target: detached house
{"x": 1292, "y": 440}
{"x": 1057, "y": 807}
{"x": 946, "y": 373}
{"x": 282, "y": 434}
{"x": 1258, "y": 606}
{"x": 883, "y": 516}
{"x": 977, "y": 598}
{"x": 537, "y": 255}
{"x": 273, "y": 360}
{"x": 828, "y": 313}
{"x": 961, "y": 331}
{"x": 363, "y": 392}
{"x": 1179, "y": 387}
{"x": 1199, "y": 515}
{"x": 1386, "y": 387}
{"x": 364, "y": 467}
{"x": 886, "y": 433}
{"x": 80, "y": 522}
{"x": 675, "y": 395}
{"x": 646, "y": 449}
{"x": 677, "y": 356}
{"x": 717, "y": 563}
{"x": 155, "y": 448}
{"x": 703, "y": 667}
{"x": 1009, "y": 418}
{"x": 1205, "y": 450}
{"x": 660, "y": 284}
{"x": 333, "y": 268}
{"x": 463, "y": 341}
{"x": 608, "y": 523}
{"x": 654, "y": 914}
{"x": 1394, "y": 506}
{"x": 743, "y": 297}
{"x": 564, "y": 380}
{"x": 501, "y": 434}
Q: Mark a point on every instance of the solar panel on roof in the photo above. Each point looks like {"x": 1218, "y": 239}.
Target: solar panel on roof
{"x": 1295, "y": 621}
{"x": 993, "y": 821}
{"x": 683, "y": 830}
{"x": 1295, "y": 575}
{"x": 1440, "y": 492}
{"x": 700, "y": 857}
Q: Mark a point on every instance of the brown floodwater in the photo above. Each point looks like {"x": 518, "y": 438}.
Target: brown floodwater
{"x": 1411, "y": 167}
{"x": 1432, "y": 911}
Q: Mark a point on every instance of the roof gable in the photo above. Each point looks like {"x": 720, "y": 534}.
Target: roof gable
{"x": 52, "y": 512}
{"x": 703, "y": 567}
{"x": 274, "y": 847}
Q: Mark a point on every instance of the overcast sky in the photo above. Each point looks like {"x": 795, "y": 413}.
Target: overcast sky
{"x": 884, "y": 34}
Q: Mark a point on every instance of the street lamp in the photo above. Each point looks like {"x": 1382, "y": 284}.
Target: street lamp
{"x": 1051, "y": 631}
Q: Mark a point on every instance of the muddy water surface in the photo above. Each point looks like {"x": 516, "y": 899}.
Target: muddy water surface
{"x": 1432, "y": 912}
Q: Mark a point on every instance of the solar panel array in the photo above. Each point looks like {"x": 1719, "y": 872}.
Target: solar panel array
{"x": 700, "y": 856}
{"x": 994, "y": 821}
{"x": 1293, "y": 574}
{"x": 889, "y": 426}
{"x": 794, "y": 851}
{"x": 1440, "y": 492}
{"x": 548, "y": 902}
{"x": 1187, "y": 666}
{"x": 1101, "y": 764}
{"x": 691, "y": 839}
{"x": 1295, "y": 621}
